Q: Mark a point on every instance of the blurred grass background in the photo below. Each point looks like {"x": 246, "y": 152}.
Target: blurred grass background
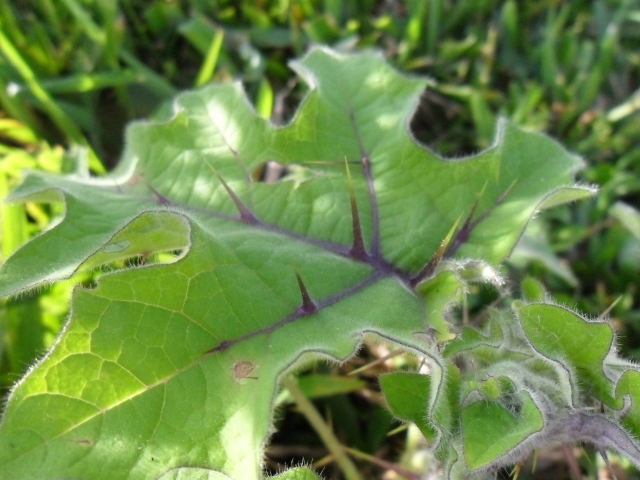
{"x": 74, "y": 72}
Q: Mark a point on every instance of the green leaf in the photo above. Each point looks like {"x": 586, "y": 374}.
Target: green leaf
{"x": 580, "y": 346}
{"x": 491, "y": 431}
{"x": 629, "y": 385}
{"x": 532, "y": 290}
{"x": 472, "y": 339}
{"x": 300, "y": 473}
{"x": 174, "y": 365}
{"x": 439, "y": 293}
{"x": 406, "y": 395}
{"x": 627, "y": 216}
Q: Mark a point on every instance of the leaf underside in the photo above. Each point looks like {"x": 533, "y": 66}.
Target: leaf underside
{"x": 170, "y": 366}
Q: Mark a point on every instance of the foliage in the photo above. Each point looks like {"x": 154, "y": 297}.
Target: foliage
{"x": 75, "y": 72}
{"x": 174, "y": 365}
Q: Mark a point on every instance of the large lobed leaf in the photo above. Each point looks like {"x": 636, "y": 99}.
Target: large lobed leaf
{"x": 171, "y": 366}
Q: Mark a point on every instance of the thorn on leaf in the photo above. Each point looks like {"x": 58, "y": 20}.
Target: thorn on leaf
{"x": 430, "y": 267}
{"x": 245, "y": 215}
{"x": 308, "y": 306}
{"x": 162, "y": 200}
{"x": 358, "y": 250}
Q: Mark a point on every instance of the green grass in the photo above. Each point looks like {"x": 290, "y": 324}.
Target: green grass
{"x": 74, "y": 72}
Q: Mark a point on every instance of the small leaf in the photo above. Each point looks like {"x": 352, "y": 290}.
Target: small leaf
{"x": 440, "y": 293}
{"x": 407, "y": 394}
{"x": 579, "y": 345}
{"x": 627, "y": 216}
{"x": 300, "y": 473}
{"x": 629, "y": 384}
{"x": 490, "y": 388}
{"x": 532, "y": 290}
{"x": 491, "y": 431}
{"x": 471, "y": 338}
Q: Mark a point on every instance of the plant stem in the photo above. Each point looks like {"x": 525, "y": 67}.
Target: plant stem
{"x": 571, "y": 460}
{"x": 384, "y": 464}
{"x": 322, "y": 429}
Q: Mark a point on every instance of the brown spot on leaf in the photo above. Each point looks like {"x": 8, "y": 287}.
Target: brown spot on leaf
{"x": 243, "y": 369}
{"x": 135, "y": 180}
{"x": 85, "y": 442}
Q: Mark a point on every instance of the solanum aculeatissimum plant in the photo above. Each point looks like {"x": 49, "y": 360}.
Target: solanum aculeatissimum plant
{"x": 172, "y": 369}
